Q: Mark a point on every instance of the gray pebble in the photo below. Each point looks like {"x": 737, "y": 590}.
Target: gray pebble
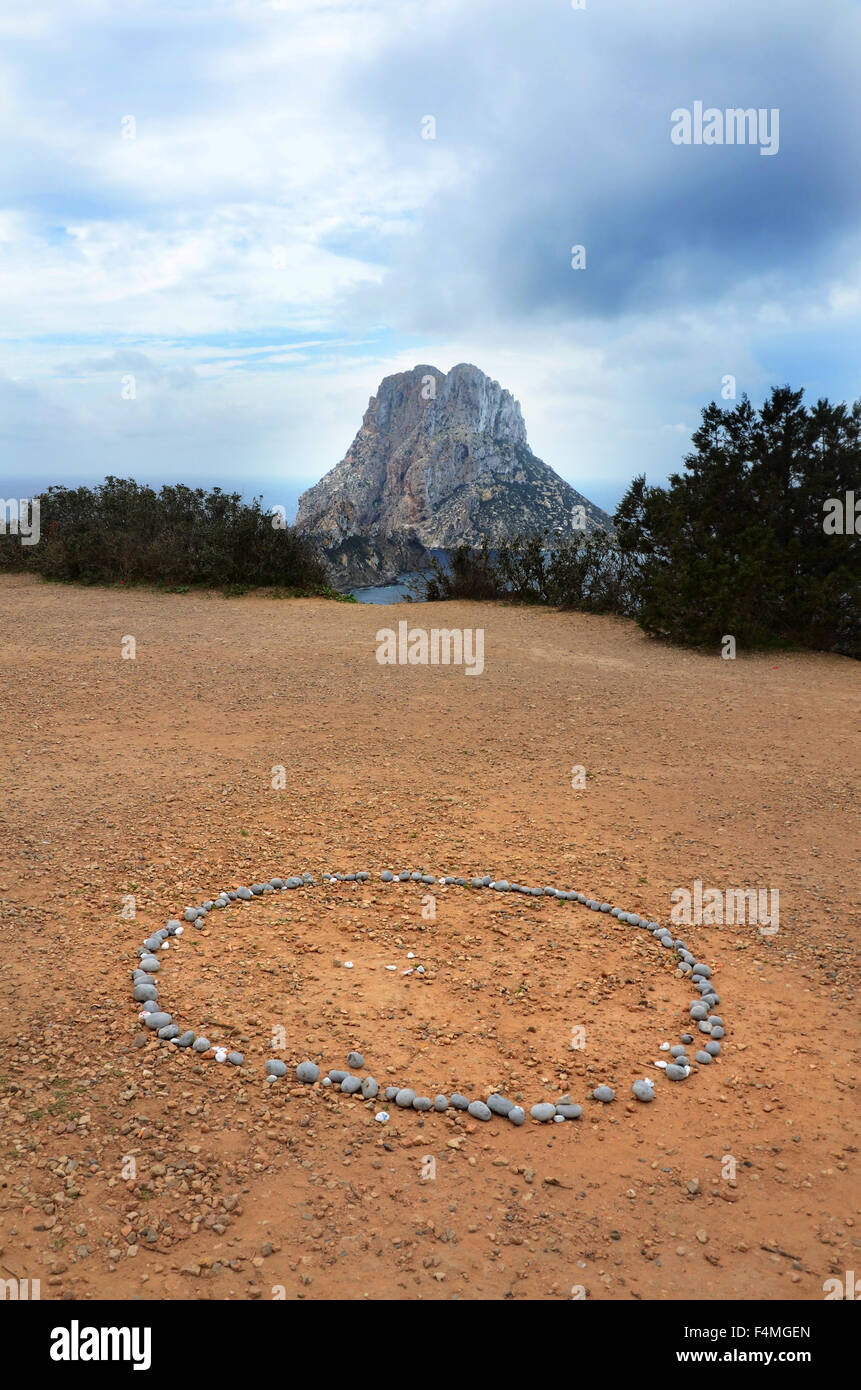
{"x": 677, "y": 1051}
{"x": 237, "y": 1058}
{"x": 245, "y": 894}
{"x": 351, "y": 1084}
{"x": 704, "y": 1025}
{"x": 275, "y": 1068}
{"x": 308, "y": 1072}
{"x": 713, "y": 1048}
{"x": 185, "y": 1039}
{"x": 440, "y": 1103}
{"x": 699, "y": 1011}
{"x": 337, "y": 1076}
{"x": 676, "y": 1073}
{"x": 405, "y": 1097}
{"x": 355, "y": 1059}
{"x": 422, "y": 1103}
{"x": 717, "y": 1030}
{"x": 142, "y": 993}
{"x": 370, "y": 1088}
{"x": 687, "y": 1037}
{"x": 604, "y": 1093}
{"x": 150, "y": 965}
{"x": 478, "y": 1110}
{"x": 544, "y": 1111}
{"x": 157, "y": 1019}
{"x": 201, "y": 1045}
{"x": 643, "y": 1090}
{"x": 171, "y": 1030}
{"x": 704, "y": 1057}
{"x": 517, "y": 1115}
{"x": 499, "y": 1105}
{"x": 569, "y": 1112}
{"x": 391, "y": 1092}
{"x": 459, "y": 1102}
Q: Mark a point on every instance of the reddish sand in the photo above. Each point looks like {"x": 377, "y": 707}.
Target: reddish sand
{"x": 153, "y": 778}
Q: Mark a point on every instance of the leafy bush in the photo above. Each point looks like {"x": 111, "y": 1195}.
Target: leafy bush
{"x": 736, "y": 544}
{"x": 588, "y": 572}
{"x": 121, "y": 532}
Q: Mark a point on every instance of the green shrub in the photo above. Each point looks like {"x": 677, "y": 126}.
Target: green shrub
{"x": 121, "y": 532}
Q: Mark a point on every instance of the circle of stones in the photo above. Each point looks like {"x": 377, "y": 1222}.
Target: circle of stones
{"x": 145, "y": 993}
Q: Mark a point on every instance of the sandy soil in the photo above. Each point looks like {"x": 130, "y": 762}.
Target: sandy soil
{"x": 153, "y": 777}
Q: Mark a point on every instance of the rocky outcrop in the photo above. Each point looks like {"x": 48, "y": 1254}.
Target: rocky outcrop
{"x": 441, "y": 459}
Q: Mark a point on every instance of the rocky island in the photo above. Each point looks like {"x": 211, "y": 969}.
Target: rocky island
{"x": 441, "y": 459}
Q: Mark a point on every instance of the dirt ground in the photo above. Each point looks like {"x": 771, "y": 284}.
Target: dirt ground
{"x": 152, "y": 777}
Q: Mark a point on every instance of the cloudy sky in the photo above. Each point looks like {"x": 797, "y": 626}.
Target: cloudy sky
{"x": 233, "y": 207}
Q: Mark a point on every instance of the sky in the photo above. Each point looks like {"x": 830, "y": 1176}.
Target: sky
{"x": 223, "y": 222}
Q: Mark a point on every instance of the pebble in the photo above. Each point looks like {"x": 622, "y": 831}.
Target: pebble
{"x": 569, "y": 1112}
{"x": 459, "y": 1102}
{"x": 713, "y": 1048}
{"x": 422, "y": 1103}
{"x": 440, "y": 1103}
{"x": 201, "y": 1045}
{"x": 405, "y": 1097}
{"x": 275, "y": 1068}
{"x": 478, "y": 1110}
{"x": 355, "y": 1059}
{"x": 499, "y": 1105}
{"x": 643, "y": 1090}
{"x": 704, "y": 1057}
{"x": 308, "y": 1072}
{"x": 157, "y": 1019}
{"x": 351, "y": 1084}
{"x": 369, "y": 1088}
{"x": 544, "y": 1111}
{"x": 517, "y": 1115}
{"x": 676, "y": 1073}
{"x": 605, "y": 1093}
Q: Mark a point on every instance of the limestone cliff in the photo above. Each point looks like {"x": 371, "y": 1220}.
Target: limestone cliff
{"x": 440, "y": 459}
